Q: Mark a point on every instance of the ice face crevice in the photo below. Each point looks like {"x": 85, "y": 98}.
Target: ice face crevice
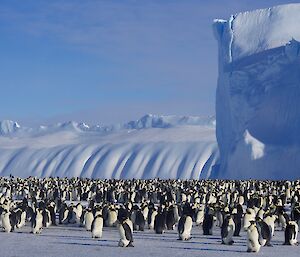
{"x": 258, "y": 93}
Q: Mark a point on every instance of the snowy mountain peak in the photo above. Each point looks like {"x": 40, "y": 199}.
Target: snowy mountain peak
{"x": 161, "y": 121}
{"x": 8, "y": 127}
{"x": 146, "y": 122}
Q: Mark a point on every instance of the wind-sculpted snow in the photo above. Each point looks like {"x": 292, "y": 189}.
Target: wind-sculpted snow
{"x": 155, "y": 146}
{"x": 258, "y": 94}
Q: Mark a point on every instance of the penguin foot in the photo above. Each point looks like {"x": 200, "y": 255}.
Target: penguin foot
{"x": 130, "y": 245}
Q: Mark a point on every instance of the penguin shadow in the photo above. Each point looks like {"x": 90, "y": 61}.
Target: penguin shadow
{"x": 205, "y": 249}
{"x": 98, "y": 243}
{"x": 67, "y": 237}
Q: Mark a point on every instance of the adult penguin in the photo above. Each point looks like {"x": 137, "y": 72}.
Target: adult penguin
{"x": 237, "y": 214}
{"x": 151, "y": 218}
{"x": 125, "y": 228}
{"x": 253, "y": 244}
{"x": 20, "y": 217}
{"x": 139, "y": 220}
{"x": 160, "y": 221}
{"x": 185, "y": 225}
{"x": 291, "y": 233}
{"x": 63, "y": 213}
{"x": 5, "y": 220}
{"x": 88, "y": 219}
{"x": 46, "y": 218}
{"x": 51, "y": 208}
{"x": 112, "y": 216}
{"x": 208, "y": 221}
{"x": 227, "y": 230}
{"x": 264, "y": 232}
{"x": 249, "y": 216}
{"x": 170, "y": 218}
{"x": 37, "y": 221}
{"x": 97, "y": 226}
{"x": 200, "y": 215}
{"x": 13, "y": 220}
{"x": 270, "y": 221}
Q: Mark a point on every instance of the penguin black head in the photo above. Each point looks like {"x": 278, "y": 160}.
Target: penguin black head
{"x": 122, "y": 214}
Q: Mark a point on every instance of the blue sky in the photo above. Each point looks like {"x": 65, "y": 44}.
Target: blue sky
{"x": 109, "y": 61}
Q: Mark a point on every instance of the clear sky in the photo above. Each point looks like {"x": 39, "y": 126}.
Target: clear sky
{"x": 110, "y": 61}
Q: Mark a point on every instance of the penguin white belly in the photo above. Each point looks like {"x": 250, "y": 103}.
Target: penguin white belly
{"x": 293, "y": 240}
{"x": 151, "y": 225}
{"x": 125, "y": 236}
{"x": 199, "y": 217}
{"x": 186, "y": 234}
{"x": 253, "y": 239}
{"x": 123, "y": 241}
{"x": 176, "y": 214}
{"x": 230, "y": 231}
{"x": 97, "y": 227}
{"x": 282, "y": 222}
{"x": 6, "y": 223}
{"x": 112, "y": 218}
{"x": 38, "y": 224}
{"x": 145, "y": 212}
{"x": 247, "y": 219}
{"x": 65, "y": 217}
{"x": 88, "y": 219}
{"x": 271, "y": 223}
{"x": 23, "y": 220}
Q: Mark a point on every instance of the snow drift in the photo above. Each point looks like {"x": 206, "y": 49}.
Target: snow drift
{"x": 258, "y": 94}
{"x": 153, "y": 146}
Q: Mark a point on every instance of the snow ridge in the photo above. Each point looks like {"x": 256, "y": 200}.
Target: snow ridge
{"x": 153, "y": 146}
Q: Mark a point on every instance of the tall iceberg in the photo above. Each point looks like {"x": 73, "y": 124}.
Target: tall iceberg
{"x": 258, "y": 94}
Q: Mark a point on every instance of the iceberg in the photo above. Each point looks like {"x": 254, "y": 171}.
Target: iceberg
{"x": 258, "y": 94}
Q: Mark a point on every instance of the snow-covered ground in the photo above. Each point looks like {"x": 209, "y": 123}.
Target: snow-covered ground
{"x": 70, "y": 241}
{"x": 153, "y": 146}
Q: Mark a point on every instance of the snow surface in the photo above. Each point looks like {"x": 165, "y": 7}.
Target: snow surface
{"x": 70, "y": 241}
{"x": 258, "y": 94}
{"x": 153, "y": 146}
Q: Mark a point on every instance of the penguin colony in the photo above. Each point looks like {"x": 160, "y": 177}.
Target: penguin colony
{"x": 261, "y": 208}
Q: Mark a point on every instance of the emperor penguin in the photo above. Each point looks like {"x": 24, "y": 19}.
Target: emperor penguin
{"x": 170, "y": 218}
{"x": 270, "y": 221}
{"x": 88, "y": 219}
{"x": 37, "y": 221}
{"x": 97, "y": 226}
{"x": 5, "y": 220}
{"x": 63, "y": 214}
{"x": 151, "y": 218}
{"x": 227, "y": 230}
{"x": 208, "y": 221}
{"x": 291, "y": 233}
{"x": 264, "y": 232}
{"x": 253, "y": 244}
{"x": 160, "y": 221}
{"x": 185, "y": 225}
{"x": 112, "y": 217}
{"x": 125, "y": 228}
{"x": 249, "y": 216}
{"x": 46, "y": 218}
{"x": 237, "y": 213}
{"x": 200, "y": 215}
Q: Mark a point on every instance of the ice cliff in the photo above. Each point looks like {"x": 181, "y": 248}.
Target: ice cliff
{"x": 258, "y": 94}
